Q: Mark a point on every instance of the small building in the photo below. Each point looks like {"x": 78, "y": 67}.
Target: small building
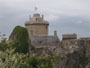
{"x": 69, "y": 36}
{"x": 70, "y": 41}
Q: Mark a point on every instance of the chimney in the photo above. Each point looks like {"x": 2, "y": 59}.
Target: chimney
{"x": 55, "y": 33}
{"x": 42, "y": 16}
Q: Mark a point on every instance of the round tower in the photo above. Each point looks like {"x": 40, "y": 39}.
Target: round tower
{"x": 37, "y": 25}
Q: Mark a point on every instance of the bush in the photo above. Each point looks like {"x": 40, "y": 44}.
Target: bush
{"x": 10, "y": 59}
{"x": 20, "y": 38}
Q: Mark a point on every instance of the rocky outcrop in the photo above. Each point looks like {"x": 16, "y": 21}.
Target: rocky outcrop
{"x": 72, "y": 57}
{"x": 75, "y": 57}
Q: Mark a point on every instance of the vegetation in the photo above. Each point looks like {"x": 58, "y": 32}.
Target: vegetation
{"x": 84, "y": 60}
{"x": 20, "y": 38}
{"x": 9, "y": 58}
{"x": 14, "y": 53}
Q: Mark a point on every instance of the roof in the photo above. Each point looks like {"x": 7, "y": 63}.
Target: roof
{"x": 85, "y": 38}
{"x": 68, "y": 36}
{"x": 41, "y": 39}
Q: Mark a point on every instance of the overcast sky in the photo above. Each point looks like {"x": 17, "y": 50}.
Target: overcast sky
{"x": 65, "y": 16}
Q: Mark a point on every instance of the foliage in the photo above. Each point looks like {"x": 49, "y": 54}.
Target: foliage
{"x": 46, "y": 63}
{"x": 84, "y": 60}
{"x": 20, "y": 38}
{"x": 3, "y": 47}
{"x": 14, "y": 53}
{"x": 10, "y": 59}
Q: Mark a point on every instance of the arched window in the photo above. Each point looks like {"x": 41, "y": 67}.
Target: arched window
{"x": 36, "y": 19}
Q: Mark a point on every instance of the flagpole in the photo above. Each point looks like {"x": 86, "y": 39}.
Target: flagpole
{"x": 36, "y": 9}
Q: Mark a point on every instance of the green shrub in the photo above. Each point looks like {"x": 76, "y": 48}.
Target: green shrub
{"x": 21, "y": 39}
{"x": 84, "y": 60}
{"x": 10, "y": 59}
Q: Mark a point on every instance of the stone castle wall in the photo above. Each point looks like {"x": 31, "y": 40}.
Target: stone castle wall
{"x": 37, "y": 25}
{"x": 38, "y": 29}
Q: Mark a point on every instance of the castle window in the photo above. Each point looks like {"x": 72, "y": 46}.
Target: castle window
{"x": 67, "y": 43}
{"x": 31, "y": 31}
{"x": 40, "y": 41}
{"x": 37, "y": 19}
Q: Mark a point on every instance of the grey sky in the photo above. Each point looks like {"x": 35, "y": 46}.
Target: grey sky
{"x": 65, "y": 16}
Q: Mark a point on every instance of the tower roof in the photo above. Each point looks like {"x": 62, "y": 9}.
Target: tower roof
{"x": 37, "y": 19}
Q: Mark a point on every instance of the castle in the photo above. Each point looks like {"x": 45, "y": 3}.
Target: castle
{"x": 70, "y": 49}
{"x": 38, "y": 33}
{"x": 41, "y": 42}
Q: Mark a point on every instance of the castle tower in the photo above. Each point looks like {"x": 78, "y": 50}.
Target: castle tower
{"x": 37, "y": 29}
{"x": 37, "y": 25}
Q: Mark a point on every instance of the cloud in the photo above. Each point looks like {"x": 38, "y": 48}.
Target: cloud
{"x": 63, "y": 15}
{"x": 69, "y": 25}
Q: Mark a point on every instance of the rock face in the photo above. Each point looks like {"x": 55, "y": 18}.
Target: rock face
{"x": 76, "y": 58}
{"x": 69, "y": 61}
{"x": 72, "y": 60}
